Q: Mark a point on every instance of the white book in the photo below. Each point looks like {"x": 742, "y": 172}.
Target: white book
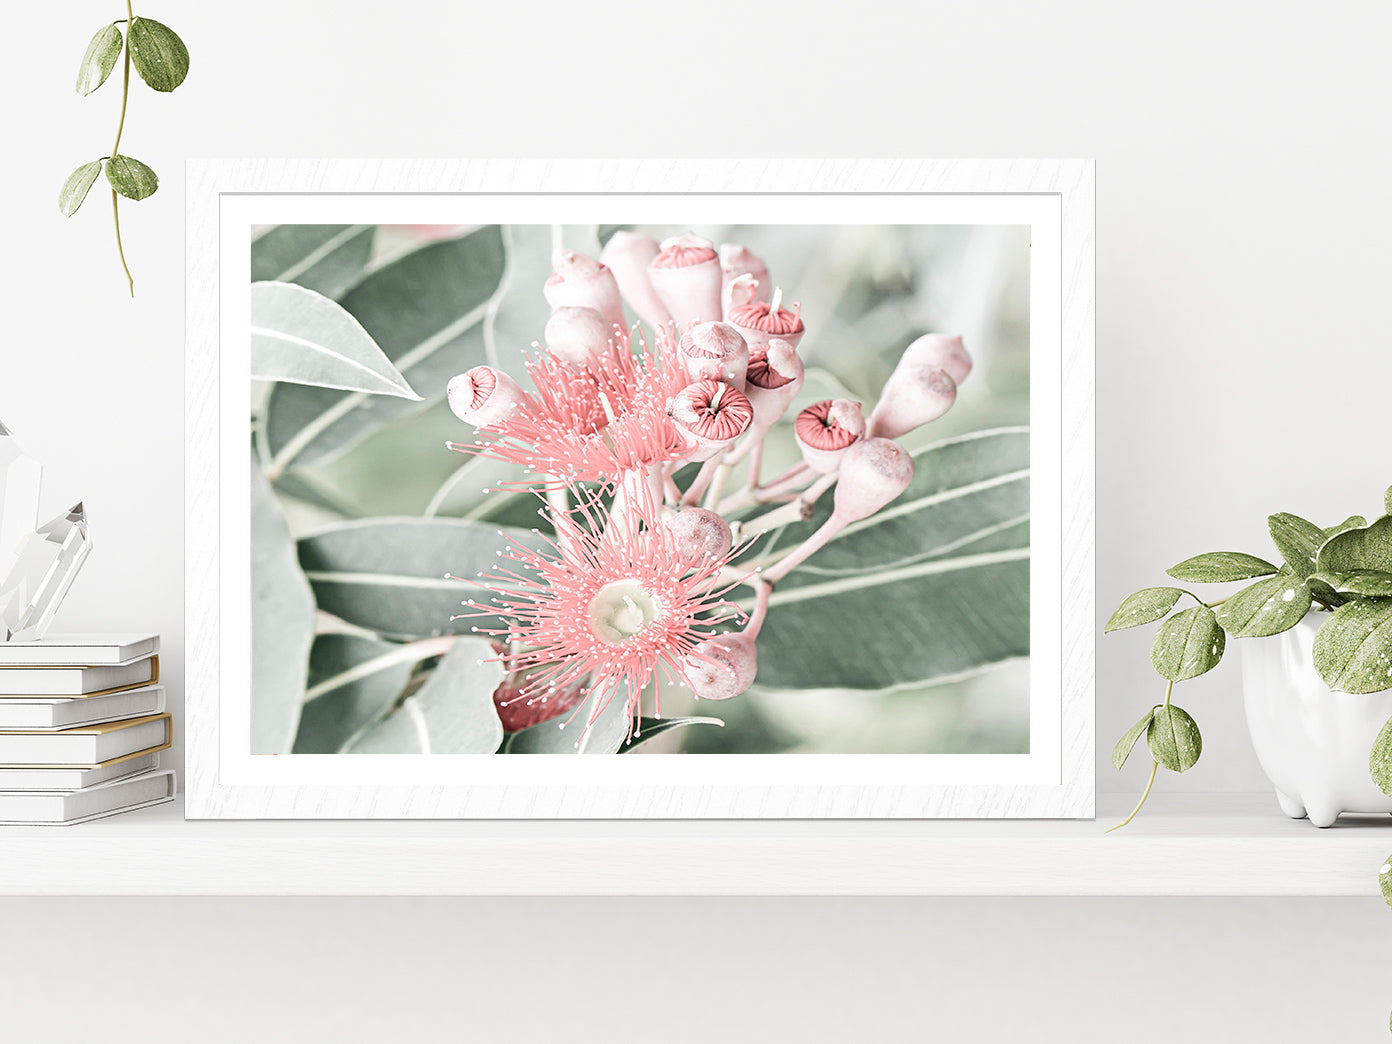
{"x": 79, "y": 650}
{"x": 63, "y": 808}
{"x": 49, "y": 714}
{"x": 77, "y": 681}
{"x": 88, "y": 745}
{"x": 46, "y": 777}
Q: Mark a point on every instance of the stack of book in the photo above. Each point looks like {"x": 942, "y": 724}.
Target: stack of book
{"x": 82, "y": 723}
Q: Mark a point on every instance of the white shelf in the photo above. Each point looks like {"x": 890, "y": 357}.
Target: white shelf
{"x": 1211, "y": 845}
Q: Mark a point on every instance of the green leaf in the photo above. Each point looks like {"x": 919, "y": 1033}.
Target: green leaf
{"x": 426, "y": 311}
{"x": 1218, "y": 567}
{"x": 1321, "y": 590}
{"x": 282, "y": 625}
{"x": 934, "y": 586}
{"x": 1367, "y": 547}
{"x": 1143, "y": 607}
{"x": 157, "y": 53}
{"x": 353, "y": 682}
{"x": 76, "y": 187}
{"x": 606, "y": 232}
{"x": 1387, "y": 500}
{"x": 1385, "y": 878}
{"x": 325, "y": 258}
{"x": 1380, "y": 765}
{"x": 100, "y": 59}
{"x": 1188, "y": 644}
{"x": 1173, "y": 738}
{"x": 453, "y": 712}
{"x": 388, "y": 574}
{"x": 298, "y": 335}
{"x": 1353, "y": 650}
{"x": 130, "y": 177}
{"x": 1352, "y": 522}
{"x": 651, "y": 728}
{"x": 1122, "y": 750}
{"x": 1366, "y": 583}
{"x": 1298, "y": 541}
{"x": 557, "y": 737}
{"x": 1265, "y": 608}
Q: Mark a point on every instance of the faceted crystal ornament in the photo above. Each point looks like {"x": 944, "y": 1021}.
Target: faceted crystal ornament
{"x": 42, "y": 571}
{"x": 20, "y": 475}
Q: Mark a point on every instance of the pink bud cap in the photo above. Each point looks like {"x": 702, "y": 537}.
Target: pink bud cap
{"x": 940, "y": 352}
{"x": 700, "y": 535}
{"x": 628, "y": 255}
{"x": 913, "y": 395}
{"x": 773, "y": 380}
{"x": 576, "y": 335}
{"x": 741, "y": 267}
{"x": 713, "y": 414}
{"x": 740, "y": 291}
{"x": 873, "y": 472}
{"x": 484, "y": 397}
{"x": 583, "y": 282}
{"x": 721, "y": 667}
{"x": 714, "y": 351}
{"x": 825, "y": 430}
{"x": 686, "y": 276}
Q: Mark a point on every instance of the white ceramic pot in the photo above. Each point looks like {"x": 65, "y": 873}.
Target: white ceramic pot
{"x": 1312, "y": 742}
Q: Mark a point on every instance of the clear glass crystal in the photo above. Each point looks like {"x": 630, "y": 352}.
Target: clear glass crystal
{"x": 41, "y": 573}
{"x": 20, "y": 475}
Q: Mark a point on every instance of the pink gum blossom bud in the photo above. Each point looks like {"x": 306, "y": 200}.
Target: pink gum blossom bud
{"x": 484, "y": 397}
{"x": 686, "y": 276}
{"x": 912, "y": 396}
{"x": 739, "y": 264}
{"x": 721, "y": 667}
{"x": 825, "y": 430}
{"x": 712, "y": 414}
{"x": 740, "y": 291}
{"x": 583, "y": 282}
{"x": 628, "y": 255}
{"x": 873, "y": 473}
{"x": 772, "y": 381}
{"x": 940, "y": 352}
{"x": 576, "y": 335}
{"x": 714, "y": 351}
{"x": 699, "y": 535}
{"x": 761, "y": 321}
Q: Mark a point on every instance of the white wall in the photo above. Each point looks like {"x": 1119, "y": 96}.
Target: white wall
{"x": 1243, "y": 223}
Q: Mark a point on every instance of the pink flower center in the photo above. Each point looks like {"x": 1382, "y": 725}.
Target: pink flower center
{"x": 713, "y": 410}
{"x": 482, "y": 382}
{"x": 683, "y": 255}
{"x": 621, "y": 609}
{"x": 761, "y": 374}
{"x": 762, "y": 316}
{"x": 816, "y": 427}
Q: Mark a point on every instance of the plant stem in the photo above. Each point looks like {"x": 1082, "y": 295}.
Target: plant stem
{"x": 1154, "y": 767}
{"x": 115, "y": 149}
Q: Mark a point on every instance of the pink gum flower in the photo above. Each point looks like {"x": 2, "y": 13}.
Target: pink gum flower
{"x": 825, "y": 430}
{"x": 761, "y": 321}
{"x": 722, "y": 667}
{"x": 714, "y": 351}
{"x": 628, "y": 255}
{"x": 737, "y": 263}
{"x": 518, "y": 709}
{"x": 699, "y": 534}
{"x": 913, "y": 395}
{"x": 713, "y": 414}
{"x": 577, "y": 335}
{"x": 772, "y": 381}
{"x": 583, "y": 282}
{"x": 686, "y": 276}
{"x": 940, "y": 352}
{"x": 485, "y": 397}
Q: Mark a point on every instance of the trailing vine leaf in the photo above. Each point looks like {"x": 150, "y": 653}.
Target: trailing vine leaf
{"x": 100, "y": 59}
{"x": 75, "y": 189}
{"x": 1218, "y": 567}
{"x": 158, "y": 54}
{"x": 1143, "y": 607}
{"x": 1265, "y": 608}
{"x": 1124, "y": 746}
{"x": 1352, "y": 522}
{"x": 1298, "y": 541}
{"x": 1366, "y": 583}
{"x": 1188, "y": 644}
{"x": 130, "y": 177}
{"x": 1380, "y": 765}
{"x": 1353, "y": 649}
{"x": 1173, "y": 738}
{"x": 324, "y": 258}
{"x": 1385, "y": 877}
{"x": 1361, "y": 547}
{"x": 1387, "y": 500}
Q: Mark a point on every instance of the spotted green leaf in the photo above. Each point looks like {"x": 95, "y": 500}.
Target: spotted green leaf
{"x": 1188, "y": 644}
{"x": 1366, "y": 583}
{"x": 158, "y": 54}
{"x": 1267, "y": 607}
{"x": 100, "y": 59}
{"x": 1122, "y": 750}
{"x": 1365, "y": 547}
{"x": 130, "y": 177}
{"x": 76, "y": 187}
{"x": 1353, "y": 650}
{"x": 1218, "y": 567}
{"x": 1387, "y": 500}
{"x": 1298, "y": 541}
{"x": 1143, "y": 607}
{"x": 1352, "y": 522}
{"x": 1173, "y": 738}
{"x": 1385, "y": 876}
{"x": 1380, "y": 765}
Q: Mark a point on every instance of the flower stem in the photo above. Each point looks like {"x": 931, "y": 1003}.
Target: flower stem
{"x": 116, "y": 148}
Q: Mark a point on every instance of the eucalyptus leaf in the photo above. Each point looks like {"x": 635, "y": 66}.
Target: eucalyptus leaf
{"x": 354, "y": 681}
{"x": 1353, "y": 649}
{"x": 606, "y": 232}
{"x": 1380, "y": 765}
{"x": 388, "y": 574}
{"x": 1173, "y": 738}
{"x": 130, "y": 177}
{"x": 1188, "y": 644}
{"x": 452, "y": 713}
{"x": 157, "y": 53}
{"x": 1265, "y": 608}
{"x": 100, "y": 59}
{"x": 425, "y": 310}
{"x": 1124, "y": 746}
{"x": 1366, "y": 583}
{"x": 326, "y": 258}
{"x": 1298, "y": 541}
{"x": 282, "y": 625}
{"x": 1362, "y": 547}
{"x": 1218, "y": 567}
{"x": 301, "y": 336}
{"x": 76, "y": 187}
{"x": 1143, "y": 607}
{"x": 566, "y": 735}
{"x": 651, "y": 728}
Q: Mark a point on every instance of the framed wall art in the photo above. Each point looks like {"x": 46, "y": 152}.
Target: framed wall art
{"x": 717, "y": 489}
